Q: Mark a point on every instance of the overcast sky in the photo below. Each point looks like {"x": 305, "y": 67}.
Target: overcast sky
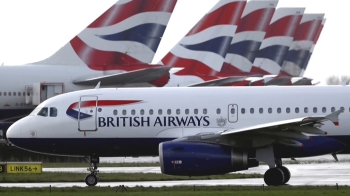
{"x": 31, "y": 30}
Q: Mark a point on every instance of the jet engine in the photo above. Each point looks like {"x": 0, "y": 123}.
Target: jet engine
{"x": 202, "y": 159}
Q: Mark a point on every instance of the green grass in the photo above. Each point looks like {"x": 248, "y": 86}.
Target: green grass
{"x": 109, "y": 177}
{"x": 179, "y": 191}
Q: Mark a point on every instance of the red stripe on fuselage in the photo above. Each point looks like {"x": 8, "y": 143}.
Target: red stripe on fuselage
{"x": 102, "y": 103}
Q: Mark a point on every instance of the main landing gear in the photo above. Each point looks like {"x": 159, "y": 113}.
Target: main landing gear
{"x": 92, "y": 179}
{"x": 277, "y": 174}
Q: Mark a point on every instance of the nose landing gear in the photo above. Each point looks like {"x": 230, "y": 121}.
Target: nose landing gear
{"x": 92, "y": 179}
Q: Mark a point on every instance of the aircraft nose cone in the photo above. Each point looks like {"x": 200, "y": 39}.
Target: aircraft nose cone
{"x": 14, "y": 132}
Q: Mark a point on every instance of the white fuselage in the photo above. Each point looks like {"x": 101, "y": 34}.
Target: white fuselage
{"x": 169, "y": 113}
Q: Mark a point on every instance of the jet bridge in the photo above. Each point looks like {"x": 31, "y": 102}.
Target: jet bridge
{"x": 42, "y": 91}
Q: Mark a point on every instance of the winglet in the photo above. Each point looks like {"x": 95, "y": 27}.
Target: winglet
{"x": 334, "y": 117}
{"x": 98, "y": 85}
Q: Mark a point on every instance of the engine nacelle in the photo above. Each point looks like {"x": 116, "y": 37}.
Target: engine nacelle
{"x": 201, "y": 159}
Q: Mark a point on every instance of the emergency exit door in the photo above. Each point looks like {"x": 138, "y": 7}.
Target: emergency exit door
{"x": 232, "y": 113}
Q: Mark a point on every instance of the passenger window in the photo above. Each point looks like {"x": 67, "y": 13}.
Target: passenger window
{"x": 14, "y": 94}
{"x": 195, "y": 111}
{"x": 205, "y": 111}
{"x": 279, "y": 110}
{"x": 315, "y": 110}
{"x": 218, "y": 111}
{"x": 19, "y": 93}
{"x": 270, "y": 110}
{"x": 297, "y": 110}
{"x": 124, "y": 112}
{"x": 115, "y": 112}
{"x": 342, "y": 108}
{"x": 133, "y": 112}
{"x": 287, "y": 110}
{"x": 252, "y": 110}
{"x": 151, "y": 112}
{"x": 178, "y": 111}
{"x": 243, "y": 110}
{"x": 324, "y": 109}
{"x": 28, "y": 94}
{"x": 24, "y": 94}
{"x": 0, "y": 93}
{"x": 261, "y": 110}
{"x": 9, "y": 93}
{"x": 43, "y": 112}
{"x": 53, "y": 112}
{"x": 169, "y": 111}
{"x": 160, "y": 112}
{"x": 187, "y": 111}
{"x": 5, "y": 93}
{"x": 142, "y": 112}
{"x": 233, "y": 111}
{"x": 333, "y": 109}
{"x": 306, "y": 110}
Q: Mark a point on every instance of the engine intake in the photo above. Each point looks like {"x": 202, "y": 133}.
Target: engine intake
{"x": 202, "y": 159}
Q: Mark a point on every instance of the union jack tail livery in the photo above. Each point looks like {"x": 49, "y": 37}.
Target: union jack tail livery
{"x": 127, "y": 33}
{"x": 313, "y": 47}
{"x": 278, "y": 39}
{"x": 304, "y": 40}
{"x": 202, "y": 51}
{"x": 250, "y": 33}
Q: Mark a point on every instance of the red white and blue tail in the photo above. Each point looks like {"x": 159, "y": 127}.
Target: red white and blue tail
{"x": 313, "y": 47}
{"x": 127, "y": 33}
{"x": 251, "y": 31}
{"x": 202, "y": 51}
{"x": 304, "y": 40}
{"x": 278, "y": 39}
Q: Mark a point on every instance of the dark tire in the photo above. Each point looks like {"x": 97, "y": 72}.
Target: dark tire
{"x": 274, "y": 177}
{"x": 286, "y": 174}
{"x": 91, "y": 180}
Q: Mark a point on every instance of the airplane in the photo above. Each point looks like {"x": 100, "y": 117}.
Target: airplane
{"x": 117, "y": 48}
{"x": 194, "y": 131}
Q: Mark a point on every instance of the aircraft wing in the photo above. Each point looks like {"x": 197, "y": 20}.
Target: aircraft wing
{"x": 138, "y": 76}
{"x": 287, "y": 131}
{"x": 223, "y": 81}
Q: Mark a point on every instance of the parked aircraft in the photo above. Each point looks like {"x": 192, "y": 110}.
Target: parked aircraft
{"x": 195, "y": 131}
{"x": 116, "y": 48}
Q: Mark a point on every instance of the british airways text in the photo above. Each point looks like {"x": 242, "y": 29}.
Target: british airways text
{"x": 170, "y": 121}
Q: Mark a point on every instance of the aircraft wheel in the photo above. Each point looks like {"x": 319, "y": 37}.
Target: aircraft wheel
{"x": 286, "y": 174}
{"x": 91, "y": 180}
{"x": 274, "y": 177}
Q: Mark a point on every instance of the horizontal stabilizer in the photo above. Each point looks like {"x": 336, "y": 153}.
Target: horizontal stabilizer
{"x": 139, "y": 76}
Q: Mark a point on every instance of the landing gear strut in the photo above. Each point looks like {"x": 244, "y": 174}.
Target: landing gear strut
{"x": 91, "y": 179}
{"x": 277, "y": 174}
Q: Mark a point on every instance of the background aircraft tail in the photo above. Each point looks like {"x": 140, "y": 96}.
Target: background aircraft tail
{"x": 127, "y": 33}
{"x": 250, "y": 33}
{"x": 277, "y": 41}
{"x": 304, "y": 40}
{"x": 202, "y": 51}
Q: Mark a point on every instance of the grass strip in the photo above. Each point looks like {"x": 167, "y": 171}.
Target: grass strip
{"x": 86, "y": 165}
{"x": 109, "y": 177}
{"x": 182, "y": 190}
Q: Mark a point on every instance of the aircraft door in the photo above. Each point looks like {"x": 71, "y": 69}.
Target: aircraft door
{"x": 87, "y": 117}
{"x": 232, "y": 113}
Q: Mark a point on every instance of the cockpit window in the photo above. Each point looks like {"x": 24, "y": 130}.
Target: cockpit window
{"x": 43, "y": 112}
{"x": 35, "y": 111}
{"x": 53, "y": 112}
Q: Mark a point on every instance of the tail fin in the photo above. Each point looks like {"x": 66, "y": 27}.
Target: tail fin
{"x": 202, "y": 51}
{"x": 127, "y": 33}
{"x": 304, "y": 38}
{"x": 313, "y": 47}
{"x": 277, "y": 41}
{"x": 250, "y": 33}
